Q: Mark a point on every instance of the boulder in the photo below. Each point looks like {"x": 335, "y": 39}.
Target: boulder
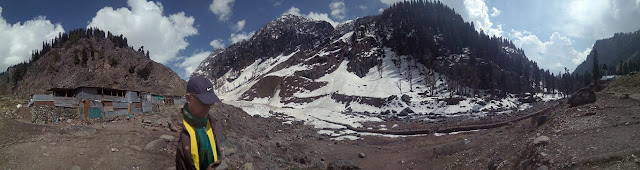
{"x": 391, "y": 98}
{"x": 406, "y": 98}
{"x": 155, "y": 146}
{"x": 76, "y": 167}
{"x": 405, "y": 112}
{"x": 223, "y": 165}
{"x": 228, "y": 151}
{"x": 543, "y": 167}
{"x": 138, "y": 148}
{"x": 162, "y": 122}
{"x": 541, "y": 140}
{"x": 528, "y": 98}
{"x": 247, "y": 166}
{"x": 582, "y": 96}
{"x": 453, "y": 100}
{"x": 172, "y": 127}
{"x": 386, "y": 112}
{"x": 625, "y": 96}
{"x": 496, "y": 163}
{"x": 540, "y": 120}
{"x": 321, "y": 165}
{"x": 167, "y": 138}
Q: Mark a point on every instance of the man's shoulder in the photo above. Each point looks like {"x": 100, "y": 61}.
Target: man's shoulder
{"x": 183, "y": 133}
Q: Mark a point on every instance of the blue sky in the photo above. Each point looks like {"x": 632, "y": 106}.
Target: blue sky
{"x": 180, "y": 34}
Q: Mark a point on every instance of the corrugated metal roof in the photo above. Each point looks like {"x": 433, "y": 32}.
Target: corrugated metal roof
{"x": 42, "y": 97}
{"x": 65, "y": 101}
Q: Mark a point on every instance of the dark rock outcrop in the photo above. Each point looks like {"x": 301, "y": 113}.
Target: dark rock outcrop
{"x": 528, "y": 98}
{"x": 406, "y": 112}
{"x": 406, "y": 98}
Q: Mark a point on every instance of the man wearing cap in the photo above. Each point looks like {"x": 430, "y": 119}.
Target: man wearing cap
{"x": 197, "y": 147}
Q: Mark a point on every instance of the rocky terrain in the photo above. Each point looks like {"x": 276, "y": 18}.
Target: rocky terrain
{"x": 598, "y": 135}
{"x": 401, "y": 90}
{"x": 90, "y": 58}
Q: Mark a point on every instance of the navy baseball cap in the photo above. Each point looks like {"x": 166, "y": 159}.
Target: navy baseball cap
{"x": 203, "y": 89}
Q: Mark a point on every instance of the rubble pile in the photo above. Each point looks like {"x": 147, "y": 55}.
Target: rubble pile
{"x": 46, "y": 114}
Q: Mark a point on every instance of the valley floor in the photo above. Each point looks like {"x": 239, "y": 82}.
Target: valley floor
{"x": 600, "y": 135}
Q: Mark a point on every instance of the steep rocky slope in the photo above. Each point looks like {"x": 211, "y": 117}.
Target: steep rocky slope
{"x": 88, "y": 58}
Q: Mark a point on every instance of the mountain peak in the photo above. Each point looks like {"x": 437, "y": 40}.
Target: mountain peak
{"x": 292, "y": 17}
{"x": 290, "y": 23}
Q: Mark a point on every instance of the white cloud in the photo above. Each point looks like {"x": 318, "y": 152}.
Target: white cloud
{"x": 338, "y": 10}
{"x": 322, "y": 17}
{"x": 495, "y": 12}
{"x": 596, "y": 19}
{"x": 217, "y": 44}
{"x": 240, "y": 36}
{"x": 190, "y": 64}
{"x": 478, "y": 12}
{"x": 278, "y": 2}
{"x": 389, "y": 2}
{"x": 363, "y": 7}
{"x": 313, "y": 15}
{"x": 381, "y": 10}
{"x": 145, "y": 25}
{"x": 293, "y": 11}
{"x": 19, "y": 39}
{"x": 239, "y": 25}
{"x": 554, "y": 54}
{"x": 222, "y": 8}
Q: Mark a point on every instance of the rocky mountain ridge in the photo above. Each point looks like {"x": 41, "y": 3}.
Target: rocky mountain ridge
{"x": 91, "y": 58}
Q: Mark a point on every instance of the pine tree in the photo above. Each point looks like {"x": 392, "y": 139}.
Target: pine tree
{"x": 596, "y": 71}
{"x": 625, "y": 67}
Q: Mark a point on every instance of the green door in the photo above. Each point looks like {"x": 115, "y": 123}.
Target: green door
{"x": 94, "y": 113}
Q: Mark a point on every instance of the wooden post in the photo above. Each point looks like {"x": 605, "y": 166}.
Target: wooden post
{"x": 86, "y": 109}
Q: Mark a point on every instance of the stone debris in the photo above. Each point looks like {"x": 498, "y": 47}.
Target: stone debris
{"x": 168, "y": 138}
{"x": 541, "y": 140}
{"x": 343, "y": 164}
{"x": 80, "y": 130}
{"x": 50, "y": 114}
{"x": 156, "y": 145}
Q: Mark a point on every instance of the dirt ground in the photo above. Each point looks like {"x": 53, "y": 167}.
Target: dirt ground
{"x": 65, "y": 145}
{"x": 600, "y": 135}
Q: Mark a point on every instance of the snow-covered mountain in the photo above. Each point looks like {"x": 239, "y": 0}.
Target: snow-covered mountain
{"x": 404, "y": 63}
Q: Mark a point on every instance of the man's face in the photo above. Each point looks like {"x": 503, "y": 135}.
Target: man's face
{"x": 196, "y": 107}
